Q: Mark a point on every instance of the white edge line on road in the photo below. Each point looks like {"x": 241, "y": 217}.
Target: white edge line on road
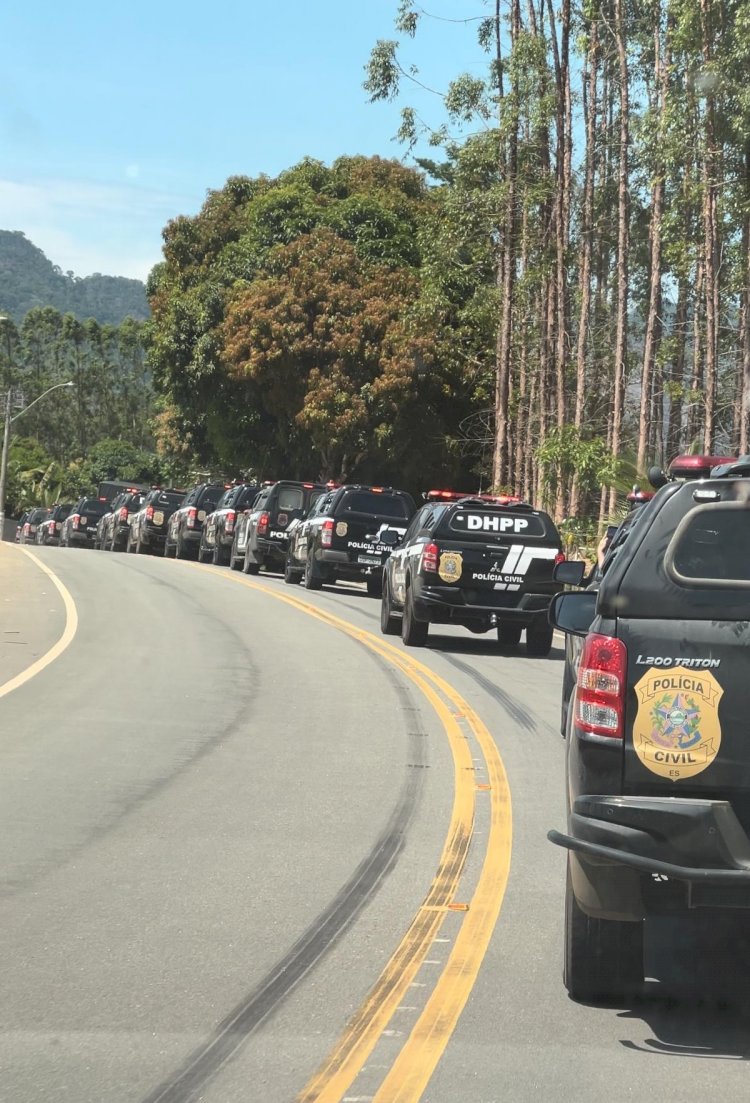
{"x": 69, "y": 631}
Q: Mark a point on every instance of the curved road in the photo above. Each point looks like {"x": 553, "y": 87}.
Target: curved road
{"x": 229, "y": 802}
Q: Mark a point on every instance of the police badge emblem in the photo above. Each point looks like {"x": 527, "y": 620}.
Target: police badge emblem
{"x": 676, "y": 733}
{"x": 450, "y": 566}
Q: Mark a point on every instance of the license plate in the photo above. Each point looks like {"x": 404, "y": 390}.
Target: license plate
{"x": 369, "y": 560}
{"x": 158, "y": 518}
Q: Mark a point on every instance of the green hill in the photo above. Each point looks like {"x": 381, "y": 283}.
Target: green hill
{"x": 28, "y": 279}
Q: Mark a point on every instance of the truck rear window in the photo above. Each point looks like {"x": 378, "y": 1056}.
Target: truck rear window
{"x": 381, "y": 505}
{"x": 92, "y": 507}
{"x": 492, "y": 523}
{"x": 711, "y": 547}
{"x": 290, "y": 497}
{"x": 172, "y": 501}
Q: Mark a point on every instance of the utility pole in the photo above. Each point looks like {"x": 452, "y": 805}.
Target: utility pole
{"x": 4, "y": 460}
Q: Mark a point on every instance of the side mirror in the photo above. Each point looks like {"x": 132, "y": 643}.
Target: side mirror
{"x": 573, "y": 613}
{"x": 571, "y": 572}
{"x": 390, "y": 537}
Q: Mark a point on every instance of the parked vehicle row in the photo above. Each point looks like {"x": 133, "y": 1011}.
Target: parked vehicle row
{"x": 478, "y": 561}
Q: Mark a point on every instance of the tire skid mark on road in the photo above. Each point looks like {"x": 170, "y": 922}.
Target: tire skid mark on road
{"x": 204, "y": 1064}
{"x": 418, "y": 1058}
{"x": 69, "y": 631}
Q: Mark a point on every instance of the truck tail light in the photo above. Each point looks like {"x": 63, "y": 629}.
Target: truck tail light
{"x": 326, "y": 535}
{"x": 430, "y": 556}
{"x": 229, "y": 523}
{"x": 263, "y": 524}
{"x": 600, "y": 690}
{"x": 149, "y": 513}
{"x": 559, "y": 558}
{"x": 26, "y": 528}
{"x": 191, "y": 516}
{"x": 76, "y": 520}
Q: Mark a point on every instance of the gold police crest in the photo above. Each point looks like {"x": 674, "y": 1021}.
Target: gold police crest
{"x": 450, "y": 566}
{"x": 676, "y": 733}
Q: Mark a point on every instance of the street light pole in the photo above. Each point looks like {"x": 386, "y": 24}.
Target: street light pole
{"x": 6, "y": 440}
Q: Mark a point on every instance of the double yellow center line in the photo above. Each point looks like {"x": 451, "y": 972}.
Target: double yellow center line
{"x": 408, "y": 1076}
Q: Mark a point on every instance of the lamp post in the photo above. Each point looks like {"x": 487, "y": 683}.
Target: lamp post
{"x": 9, "y": 419}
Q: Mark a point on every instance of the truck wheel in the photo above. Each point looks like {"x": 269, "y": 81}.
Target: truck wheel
{"x": 413, "y": 632}
{"x": 140, "y": 547}
{"x": 248, "y": 566}
{"x": 311, "y": 579}
{"x": 374, "y": 585}
{"x": 389, "y": 625}
{"x": 539, "y": 638}
{"x": 509, "y": 635}
{"x": 219, "y": 557}
{"x": 291, "y": 575}
{"x": 202, "y": 553}
{"x": 603, "y": 957}
{"x": 180, "y": 550}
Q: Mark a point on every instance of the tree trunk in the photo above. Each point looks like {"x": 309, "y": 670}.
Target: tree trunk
{"x": 621, "y": 336}
{"x": 587, "y": 221}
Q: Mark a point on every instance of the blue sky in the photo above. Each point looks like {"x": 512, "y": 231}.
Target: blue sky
{"x": 116, "y": 117}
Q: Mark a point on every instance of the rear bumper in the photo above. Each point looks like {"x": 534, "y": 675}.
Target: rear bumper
{"x": 346, "y": 567}
{"x": 449, "y": 603}
{"x": 631, "y": 852}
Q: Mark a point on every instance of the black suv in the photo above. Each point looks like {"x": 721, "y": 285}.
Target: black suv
{"x": 48, "y": 532}
{"x": 186, "y": 523}
{"x": 115, "y": 526}
{"x": 341, "y": 537}
{"x": 218, "y": 528}
{"x": 658, "y": 760}
{"x": 147, "y": 531}
{"x": 480, "y": 562}
{"x": 31, "y": 522}
{"x": 260, "y": 534}
{"x": 79, "y": 527}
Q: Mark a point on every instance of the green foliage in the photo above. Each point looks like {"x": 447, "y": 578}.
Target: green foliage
{"x": 116, "y": 459}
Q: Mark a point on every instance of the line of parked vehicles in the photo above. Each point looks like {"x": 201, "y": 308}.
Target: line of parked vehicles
{"x": 654, "y": 702}
{"x": 480, "y": 561}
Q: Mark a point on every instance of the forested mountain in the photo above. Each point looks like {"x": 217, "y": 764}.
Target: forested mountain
{"x": 28, "y": 279}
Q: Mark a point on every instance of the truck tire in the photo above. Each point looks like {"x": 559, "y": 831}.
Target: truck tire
{"x": 413, "y": 631}
{"x": 539, "y": 638}
{"x": 390, "y": 625}
{"x": 312, "y": 580}
{"x": 603, "y": 957}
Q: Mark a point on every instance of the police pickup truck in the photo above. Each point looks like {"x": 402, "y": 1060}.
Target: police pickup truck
{"x": 260, "y": 533}
{"x": 477, "y": 561}
{"x": 341, "y": 538}
{"x": 658, "y": 758}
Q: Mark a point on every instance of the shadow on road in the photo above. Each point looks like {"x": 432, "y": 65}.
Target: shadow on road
{"x": 696, "y": 1002}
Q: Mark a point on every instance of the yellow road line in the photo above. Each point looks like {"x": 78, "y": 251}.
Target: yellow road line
{"x": 69, "y": 631}
{"x": 408, "y": 1077}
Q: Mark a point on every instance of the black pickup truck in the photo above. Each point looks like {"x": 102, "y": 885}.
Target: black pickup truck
{"x": 658, "y": 759}
{"x": 341, "y": 536}
{"x": 478, "y": 561}
{"x": 185, "y": 525}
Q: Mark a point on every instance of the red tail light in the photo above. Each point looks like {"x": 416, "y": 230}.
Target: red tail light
{"x": 26, "y": 528}
{"x": 123, "y": 513}
{"x": 149, "y": 513}
{"x": 430, "y": 556}
{"x": 600, "y": 691}
{"x": 559, "y": 558}
{"x": 76, "y": 520}
{"x": 326, "y": 535}
{"x": 263, "y": 524}
{"x": 191, "y": 516}
{"x": 231, "y": 518}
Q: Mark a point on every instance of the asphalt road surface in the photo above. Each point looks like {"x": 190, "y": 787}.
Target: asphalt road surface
{"x": 253, "y": 851}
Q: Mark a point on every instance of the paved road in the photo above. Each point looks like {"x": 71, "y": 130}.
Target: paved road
{"x": 219, "y": 815}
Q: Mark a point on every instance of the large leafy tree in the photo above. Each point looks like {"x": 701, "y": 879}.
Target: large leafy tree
{"x": 285, "y": 336}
